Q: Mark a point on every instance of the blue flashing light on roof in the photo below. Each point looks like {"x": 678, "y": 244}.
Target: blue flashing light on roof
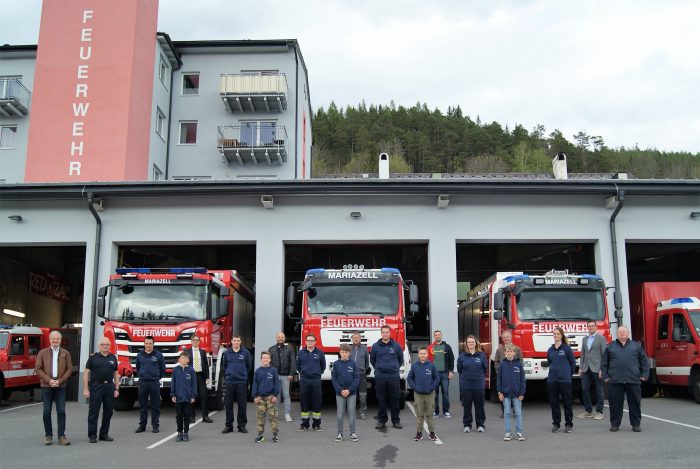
{"x": 311, "y": 272}
{"x": 188, "y": 270}
{"x": 140, "y": 270}
{"x": 676, "y": 301}
{"x": 593, "y": 276}
{"x": 513, "y": 278}
{"x": 390, "y": 270}
{"x": 174, "y": 270}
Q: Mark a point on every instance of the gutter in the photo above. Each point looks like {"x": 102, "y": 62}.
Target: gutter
{"x": 620, "y": 198}
{"x": 96, "y": 265}
{"x": 296, "y": 116}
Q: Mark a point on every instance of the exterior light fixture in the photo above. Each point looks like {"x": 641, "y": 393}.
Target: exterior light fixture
{"x": 268, "y": 201}
{"x": 12, "y": 312}
{"x": 443, "y": 201}
{"x": 355, "y": 215}
{"x": 17, "y": 218}
{"x": 692, "y": 215}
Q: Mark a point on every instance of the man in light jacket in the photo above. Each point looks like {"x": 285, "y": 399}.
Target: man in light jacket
{"x": 54, "y": 367}
{"x": 592, "y": 350}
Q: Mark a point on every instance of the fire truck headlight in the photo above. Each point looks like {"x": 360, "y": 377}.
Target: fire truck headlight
{"x": 120, "y": 334}
{"x": 187, "y": 333}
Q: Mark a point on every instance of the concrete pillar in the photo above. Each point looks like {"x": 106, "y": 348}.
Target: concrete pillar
{"x": 269, "y": 293}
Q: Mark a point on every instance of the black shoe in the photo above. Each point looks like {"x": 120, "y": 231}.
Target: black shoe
{"x": 555, "y": 428}
{"x": 106, "y": 438}
{"x": 397, "y": 425}
{"x": 227, "y": 430}
{"x": 207, "y": 420}
{"x": 140, "y": 429}
{"x": 614, "y": 429}
{"x": 637, "y": 429}
{"x": 156, "y": 430}
{"x": 568, "y": 428}
{"x": 93, "y": 439}
{"x": 380, "y": 426}
{"x": 242, "y": 430}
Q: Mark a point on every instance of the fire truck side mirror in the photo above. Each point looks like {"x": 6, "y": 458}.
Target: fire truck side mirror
{"x": 291, "y": 296}
{"x": 498, "y": 314}
{"x": 413, "y": 294}
{"x": 617, "y": 299}
{"x": 101, "y": 294}
{"x": 413, "y": 309}
{"x": 223, "y": 307}
{"x": 498, "y": 302}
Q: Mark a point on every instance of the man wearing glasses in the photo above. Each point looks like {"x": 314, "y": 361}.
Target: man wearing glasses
{"x": 101, "y": 386}
{"x": 311, "y": 363}
{"x": 198, "y": 360}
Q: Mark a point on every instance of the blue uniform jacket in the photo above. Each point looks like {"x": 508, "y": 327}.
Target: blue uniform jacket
{"x": 510, "y": 379}
{"x": 183, "y": 386}
{"x": 562, "y": 364}
{"x": 266, "y": 382}
{"x": 237, "y": 365}
{"x": 150, "y": 366}
{"x": 345, "y": 375}
{"x": 624, "y": 364}
{"x": 311, "y": 365}
{"x": 386, "y": 358}
{"x": 423, "y": 377}
{"x": 472, "y": 370}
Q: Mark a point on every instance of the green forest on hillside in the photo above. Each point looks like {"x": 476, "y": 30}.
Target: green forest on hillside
{"x": 419, "y": 140}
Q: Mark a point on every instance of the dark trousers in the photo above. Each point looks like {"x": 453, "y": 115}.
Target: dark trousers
{"x": 202, "y": 395}
{"x": 444, "y": 385}
{"x": 477, "y": 398}
{"x": 236, "y": 392}
{"x": 311, "y": 400}
{"x": 101, "y": 395}
{"x": 49, "y": 396}
{"x": 586, "y": 379}
{"x": 149, "y": 390}
{"x": 182, "y": 416}
{"x": 560, "y": 393}
{"x": 616, "y": 398}
{"x": 388, "y": 391}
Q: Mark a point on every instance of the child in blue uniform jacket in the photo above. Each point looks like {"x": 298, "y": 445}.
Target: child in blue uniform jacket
{"x": 266, "y": 387}
{"x": 510, "y": 383}
{"x": 423, "y": 379}
{"x": 345, "y": 378}
{"x": 183, "y": 391}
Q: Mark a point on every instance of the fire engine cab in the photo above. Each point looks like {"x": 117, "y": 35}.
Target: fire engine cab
{"x": 338, "y": 302}
{"x": 172, "y": 305}
{"x": 19, "y": 346}
{"x": 531, "y": 306}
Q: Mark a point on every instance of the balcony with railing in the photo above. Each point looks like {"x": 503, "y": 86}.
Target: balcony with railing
{"x": 253, "y": 143}
{"x": 14, "y": 98}
{"x": 254, "y": 92}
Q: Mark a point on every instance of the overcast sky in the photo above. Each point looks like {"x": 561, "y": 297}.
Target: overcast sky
{"x": 626, "y": 70}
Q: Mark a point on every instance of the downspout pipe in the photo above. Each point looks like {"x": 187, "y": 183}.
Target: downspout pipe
{"x": 620, "y": 198}
{"x": 95, "y": 268}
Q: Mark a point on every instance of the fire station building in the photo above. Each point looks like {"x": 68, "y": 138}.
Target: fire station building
{"x": 123, "y": 148}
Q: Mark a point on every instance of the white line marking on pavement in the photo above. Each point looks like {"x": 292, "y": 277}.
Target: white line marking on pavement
{"x": 19, "y": 407}
{"x": 663, "y": 420}
{"x": 170, "y": 437}
{"x": 425, "y": 425}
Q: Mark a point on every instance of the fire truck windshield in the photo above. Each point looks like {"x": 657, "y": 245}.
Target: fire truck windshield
{"x": 377, "y": 299}
{"x": 560, "y": 304}
{"x": 158, "y": 303}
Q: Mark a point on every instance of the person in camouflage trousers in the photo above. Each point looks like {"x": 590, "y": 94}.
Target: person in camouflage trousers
{"x": 266, "y": 387}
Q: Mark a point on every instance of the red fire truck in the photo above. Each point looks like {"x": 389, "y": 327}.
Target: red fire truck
{"x": 172, "y": 305}
{"x": 338, "y": 302}
{"x": 666, "y": 319}
{"x": 531, "y": 306}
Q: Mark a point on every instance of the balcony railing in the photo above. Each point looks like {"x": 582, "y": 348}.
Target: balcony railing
{"x": 14, "y": 98}
{"x": 254, "y": 92}
{"x": 253, "y": 143}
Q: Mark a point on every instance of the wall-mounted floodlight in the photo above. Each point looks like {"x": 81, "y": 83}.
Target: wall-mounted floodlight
{"x": 443, "y": 201}
{"x": 17, "y": 218}
{"x": 694, "y": 214}
{"x": 355, "y": 215}
{"x": 268, "y": 201}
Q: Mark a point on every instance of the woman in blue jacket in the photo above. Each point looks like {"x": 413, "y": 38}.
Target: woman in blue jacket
{"x": 471, "y": 366}
{"x": 562, "y": 365}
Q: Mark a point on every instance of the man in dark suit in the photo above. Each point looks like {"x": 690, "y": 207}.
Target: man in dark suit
{"x": 198, "y": 361}
{"x": 592, "y": 349}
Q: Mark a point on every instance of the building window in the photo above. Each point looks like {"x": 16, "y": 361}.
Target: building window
{"x": 163, "y": 71}
{"x": 188, "y": 133}
{"x": 157, "y": 173}
{"x": 190, "y": 84}
{"x": 7, "y": 136}
{"x": 160, "y": 123}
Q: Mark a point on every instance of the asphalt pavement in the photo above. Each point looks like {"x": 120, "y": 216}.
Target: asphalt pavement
{"x": 669, "y": 437}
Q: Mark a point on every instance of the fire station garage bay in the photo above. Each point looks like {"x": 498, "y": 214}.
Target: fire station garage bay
{"x": 59, "y": 243}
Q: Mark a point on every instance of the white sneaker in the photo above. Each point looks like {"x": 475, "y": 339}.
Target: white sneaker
{"x": 481, "y": 429}
{"x": 448, "y": 415}
{"x": 287, "y": 417}
{"x": 467, "y": 430}
{"x": 339, "y": 437}
{"x": 354, "y": 437}
{"x": 520, "y": 436}
{"x": 598, "y": 416}
{"x": 506, "y": 437}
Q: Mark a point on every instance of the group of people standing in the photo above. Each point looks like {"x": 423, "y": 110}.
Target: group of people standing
{"x": 621, "y": 364}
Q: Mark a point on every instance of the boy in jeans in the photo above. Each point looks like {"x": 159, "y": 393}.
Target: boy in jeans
{"x": 345, "y": 378}
{"x": 266, "y": 387}
{"x": 511, "y": 391}
{"x": 183, "y": 391}
{"x": 424, "y": 378}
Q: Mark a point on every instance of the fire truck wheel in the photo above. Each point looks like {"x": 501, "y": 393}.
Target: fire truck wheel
{"x": 695, "y": 386}
{"x": 125, "y": 401}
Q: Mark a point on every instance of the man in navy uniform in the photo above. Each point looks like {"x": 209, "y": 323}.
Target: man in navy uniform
{"x": 101, "y": 386}
{"x": 387, "y": 359}
{"x": 150, "y": 368}
{"x": 236, "y": 363}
